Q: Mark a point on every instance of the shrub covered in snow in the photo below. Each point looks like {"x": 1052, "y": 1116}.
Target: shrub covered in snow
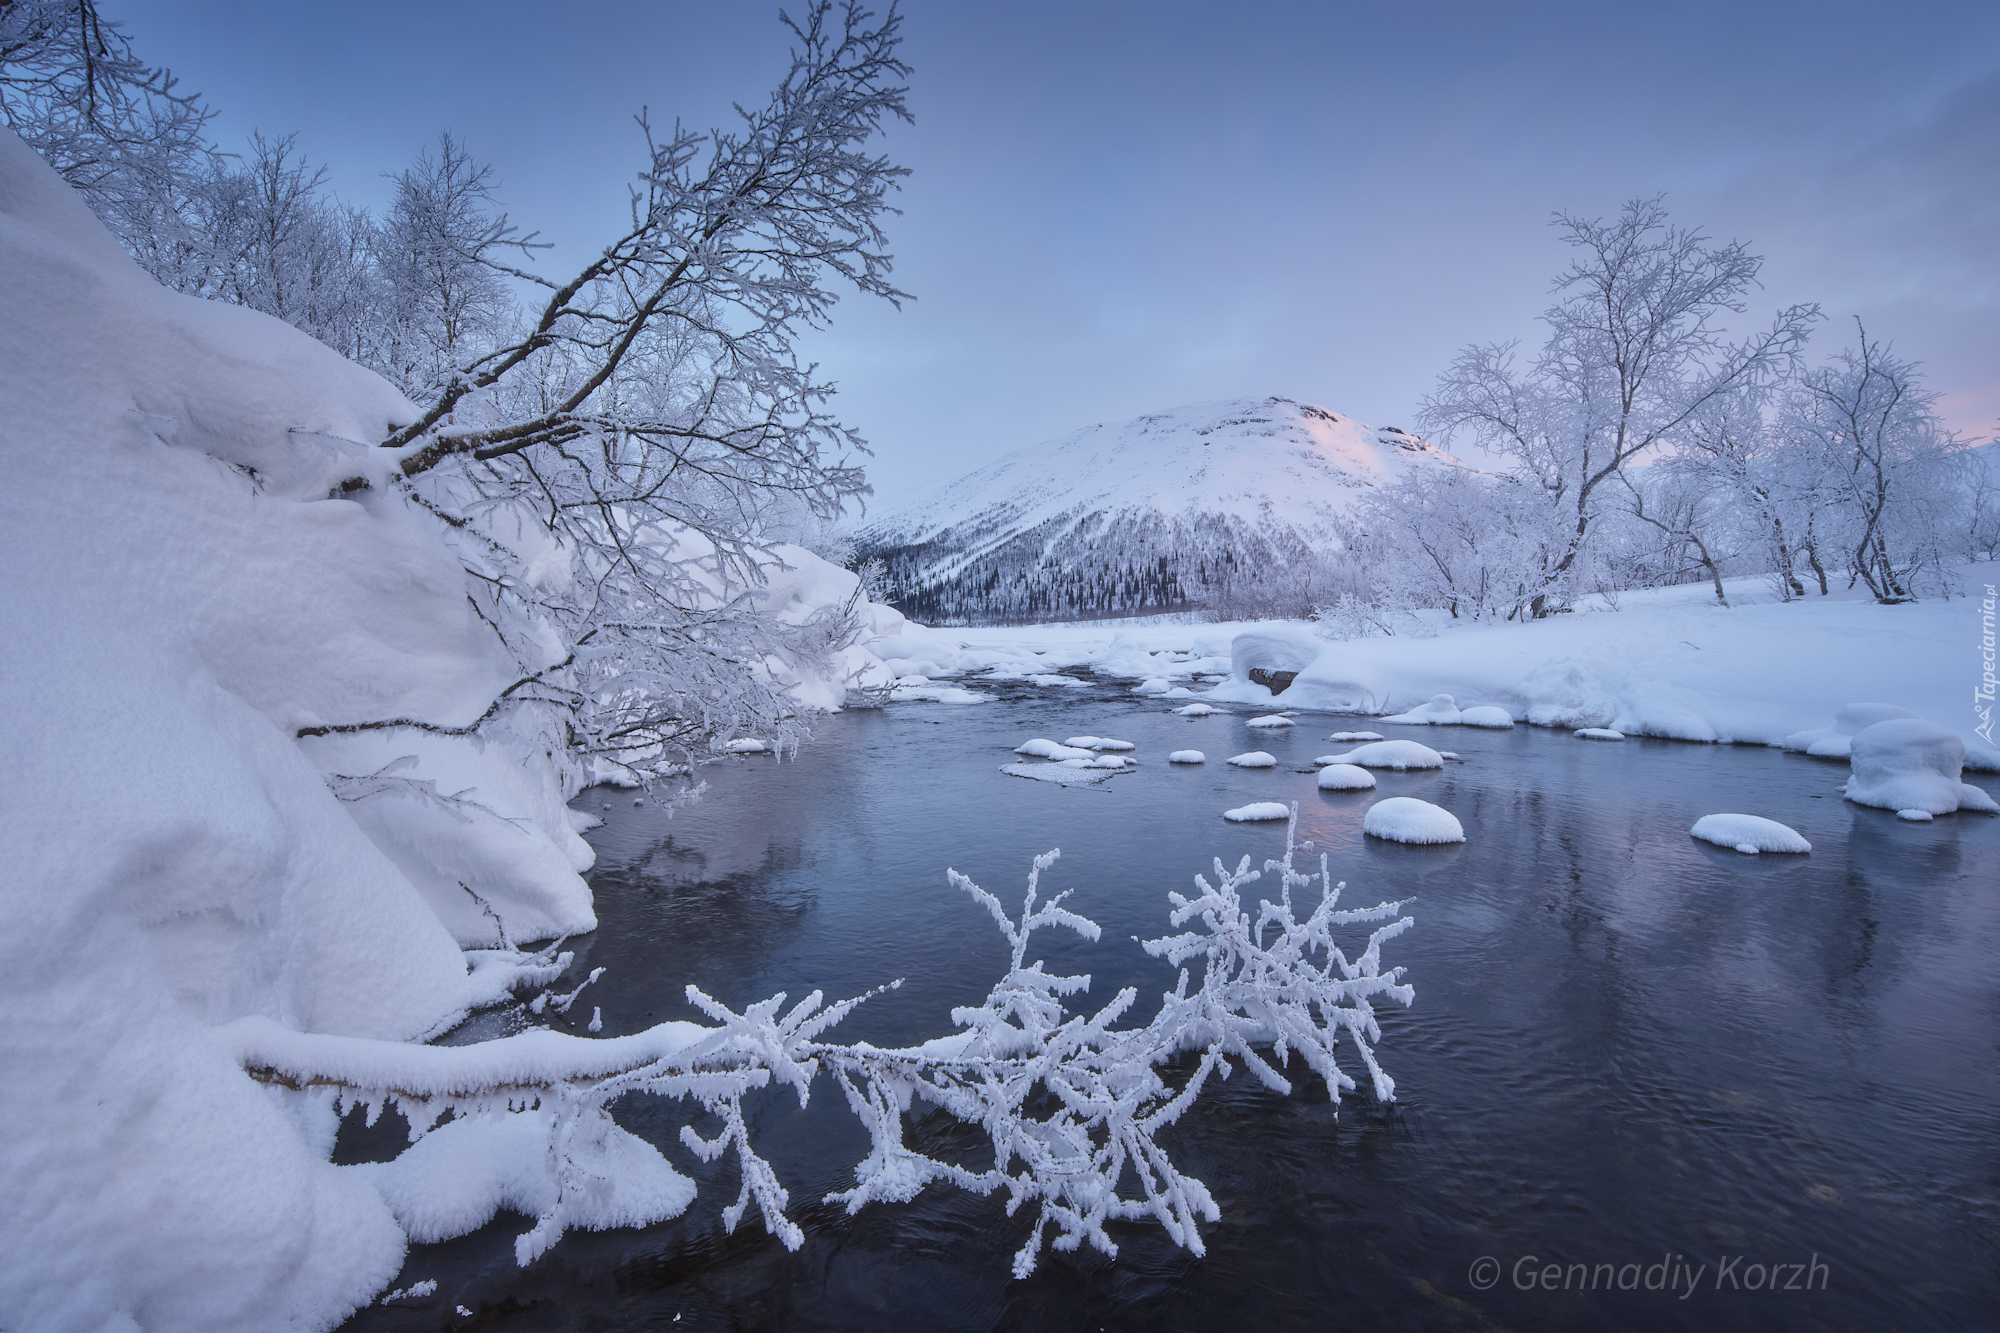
{"x": 1406, "y": 819}
{"x": 1749, "y": 833}
{"x": 1910, "y": 764}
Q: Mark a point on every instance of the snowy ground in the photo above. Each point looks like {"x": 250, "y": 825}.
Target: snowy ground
{"x": 1667, "y": 662}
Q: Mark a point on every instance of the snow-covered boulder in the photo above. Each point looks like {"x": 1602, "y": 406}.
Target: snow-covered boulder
{"x": 745, "y": 745}
{"x": 1487, "y": 716}
{"x": 1398, "y": 755}
{"x": 1274, "y": 720}
{"x": 1406, "y": 819}
{"x": 1441, "y": 711}
{"x": 1194, "y": 710}
{"x": 1749, "y": 833}
{"x": 1355, "y": 737}
{"x": 1345, "y": 777}
{"x": 1187, "y": 757}
{"x": 1598, "y": 734}
{"x": 1043, "y": 748}
{"x": 1910, "y": 764}
{"x": 1254, "y": 759}
{"x": 1271, "y": 651}
{"x": 1258, "y": 810}
{"x": 1098, "y": 743}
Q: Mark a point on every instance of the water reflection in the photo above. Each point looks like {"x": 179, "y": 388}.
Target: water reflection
{"x": 1627, "y": 1043}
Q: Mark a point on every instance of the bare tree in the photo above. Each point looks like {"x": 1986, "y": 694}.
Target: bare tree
{"x": 1636, "y": 349}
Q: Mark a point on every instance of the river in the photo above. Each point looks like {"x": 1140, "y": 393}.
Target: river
{"x": 1635, "y": 1060}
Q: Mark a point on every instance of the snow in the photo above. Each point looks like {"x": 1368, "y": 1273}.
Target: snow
{"x": 184, "y": 599}
{"x": 1487, "y": 716}
{"x": 1837, "y": 741}
{"x": 1352, "y": 736}
{"x": 1915, "y": 816}
{"x": 1749, "y": 833}
{"x": 1275, "y": 720}
{"x": 1258, "y": 811}
{"x": 1195, "y": 710}
{"x": 1099, "y": 743}
{"x": 1399, "y": 755}
{"x": 1187, "y": 757}
{"x": 1254, "y": 759}
{"x": 1067, "y": 773}
{"x": 1406, "y": 819}
{"x": 1910, "y": 764}
{"x": 1041, "y": 748}
{"x": 745, "y": 745}
{"x": 1345, "y": 777}
{"x": 1598, "y": 734}
{"x": 1440, "y": 711}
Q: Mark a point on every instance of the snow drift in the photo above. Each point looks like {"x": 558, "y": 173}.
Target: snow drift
{"x": 185, "y": 600}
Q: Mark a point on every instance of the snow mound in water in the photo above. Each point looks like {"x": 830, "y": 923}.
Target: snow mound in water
{"x": 1098, "y": 743}
{"x": 1345, "y": 777}
{"x": 1258, "y": 810}
{"x": 1194, "y": 710}
{"x": 1275, "y": 720}
{"x": 1406, "y": 819}
{"x": 1399, "y": 755}
{"x": 1915, "y": 816}
{"x": 1040, "y": 748}
{"x": 1254, "y": 759}
{"x": 1487, "y": 716}
{"x": 1749, "y": 833}
{"x": 927, "y": 693}
{"x": 1069, "y": 773}
{"x": 1910, "y": 764}
{"x": 1187, "y": 757}
{"x": 1441, "y": 711}
{"x": 745, "y": 745}
{"x": 1598, "y": 734}
{"x": 1355, "y": 736}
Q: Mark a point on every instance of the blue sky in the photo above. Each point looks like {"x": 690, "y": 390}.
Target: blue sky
{"x": 1120, "y": 207}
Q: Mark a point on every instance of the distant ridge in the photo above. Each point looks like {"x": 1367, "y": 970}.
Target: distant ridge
{"x": 1207, "y": 506}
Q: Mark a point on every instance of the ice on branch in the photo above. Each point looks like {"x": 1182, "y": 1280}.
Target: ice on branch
{"x": 1072, "y": 1104}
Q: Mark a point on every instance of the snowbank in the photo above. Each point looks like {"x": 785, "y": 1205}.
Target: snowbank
{"x": 189, "y": 611}
{"x": 1749, "y": 833}
{"x": 1441, "y": 711}
{"x": 1911, "y": 764}
{"x": 1406, "y": 819}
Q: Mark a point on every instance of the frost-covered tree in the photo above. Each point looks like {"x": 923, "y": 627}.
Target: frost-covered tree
{"x": 1636, "y": 348}
{"x": 1463, "y": 541}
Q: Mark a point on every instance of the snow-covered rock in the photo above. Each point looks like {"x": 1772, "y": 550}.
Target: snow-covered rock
{"x": 1345, "y": 777}
{"x": 1258, "y": 810}
{"x": 1749, "y": 833}
{"x": 745, "y": 745}
{"x": 1487, "y": 716}
{"x": 1254, "y": 759}
{"x": 1406, "y": 819}
{"x": 1187, "y": 757}
{"x": 1354, "y": 737}
{"x": 1098, "y": 743}
{"x": 1398, "y": 755}
{"x": 1274, "y": 720}
{"x": 1910, "y": 764}
{"x": 1194, "y": 710}
{"x": 1042, "y": 748}
{"x": 1442, "y": 710}
{"x": 1598, "y": 734}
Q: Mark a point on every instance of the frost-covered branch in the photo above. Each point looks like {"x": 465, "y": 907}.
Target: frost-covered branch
{"x": 1071, "y": 1104}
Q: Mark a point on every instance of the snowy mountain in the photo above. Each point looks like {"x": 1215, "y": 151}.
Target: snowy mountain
{"x": 1216, "y": 505}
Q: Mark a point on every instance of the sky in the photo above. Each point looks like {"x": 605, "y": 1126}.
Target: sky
{"x": 1119, "y": 207}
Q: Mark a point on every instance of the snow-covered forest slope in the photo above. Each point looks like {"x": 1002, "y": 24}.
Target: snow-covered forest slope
{"x": 1218, "y": 505}
{"x": 185, "y": 608}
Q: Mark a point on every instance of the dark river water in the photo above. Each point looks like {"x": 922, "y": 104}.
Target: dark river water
{"x": 1628, "y": 1048}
